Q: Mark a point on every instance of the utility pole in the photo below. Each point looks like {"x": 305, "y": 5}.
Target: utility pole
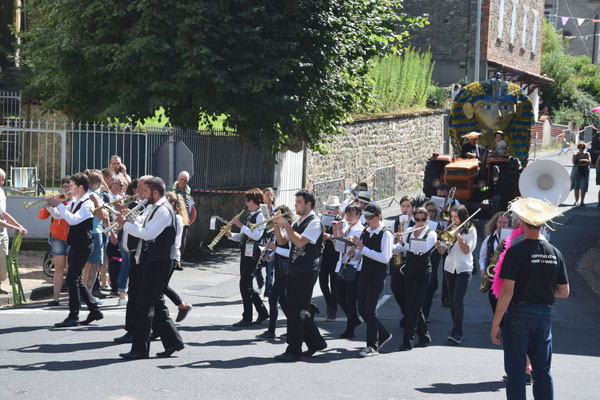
{"x": 595, "y": 47}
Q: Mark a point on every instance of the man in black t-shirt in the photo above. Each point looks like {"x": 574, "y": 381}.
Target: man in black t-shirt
{"x": 534, "y": 274}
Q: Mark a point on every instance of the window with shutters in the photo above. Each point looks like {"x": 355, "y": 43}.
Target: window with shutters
{"x": 501, "y": 19}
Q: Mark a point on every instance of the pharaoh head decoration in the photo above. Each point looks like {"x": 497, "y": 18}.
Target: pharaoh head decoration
{"x": 490, "y": 106}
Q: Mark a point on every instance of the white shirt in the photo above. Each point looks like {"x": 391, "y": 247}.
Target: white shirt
{"x": 312, "y": 231}
{"x": 150, "y": 229}
{"x": 139, "y": 219}
{"x": 346, "y": 250}
{"x": 178, "y": 235}
{"x": 284, "y": 251}
{"x": 393, "y": 227}
{"x": 483, "y": 250}
{"x": 387, "y": 241}
{"x": 430, "y": 240}
{"x": 84, "y": 212}
{"x": 457, "y": 261}
{"x": 2, "y": 207}
{"x": 255, "y": 235}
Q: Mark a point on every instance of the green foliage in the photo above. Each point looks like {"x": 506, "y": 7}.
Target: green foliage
{"x": 402, "y": 81}
{"x": 278, "y": 70}
{"x": 438, "y": 96}
{"x": 576, "y": 87}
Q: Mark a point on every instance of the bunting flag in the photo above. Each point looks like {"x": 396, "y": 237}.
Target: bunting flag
{"x": 564, "y": 20}
{"x": 580, "y": 21}
{"x": 595, "y": 20}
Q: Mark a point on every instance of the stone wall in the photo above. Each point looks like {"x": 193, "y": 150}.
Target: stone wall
{"x": 405, "y": 141}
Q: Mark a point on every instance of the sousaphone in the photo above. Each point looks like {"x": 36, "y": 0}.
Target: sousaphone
{"x": 545, "y": 180}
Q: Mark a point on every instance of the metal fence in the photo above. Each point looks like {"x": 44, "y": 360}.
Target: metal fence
{"x": 10, "y": 105}
{"x": 384, "y": 183}
{"x": 221, "y": 159}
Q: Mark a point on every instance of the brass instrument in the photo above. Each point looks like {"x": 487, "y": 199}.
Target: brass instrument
{"x": 398, "y": 257}
{"x": 131, "y": 215}
{"x": 226, "y": 228}
{"x": 267, "y": 221}
{"x": 124, "y": 200}
{"x": 445, "y": 215}
{"x": 34, "y": 203}
{"x": 490, "y": 270}
{"x": 447, "y": 236}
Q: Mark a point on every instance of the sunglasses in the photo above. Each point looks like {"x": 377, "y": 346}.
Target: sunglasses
{"x": 330, "y": 208}
{"x": 369, "y": 217}
{"x": 420, "y": 219}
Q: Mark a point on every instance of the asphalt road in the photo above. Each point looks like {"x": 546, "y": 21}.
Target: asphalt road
{"x": 219, "y": 362}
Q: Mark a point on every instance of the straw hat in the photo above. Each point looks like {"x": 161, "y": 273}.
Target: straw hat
{"x": 533, "y": 211}
{"x": 332, "y": 201}
{"x": 364, "y": 196}
{"x": 472, "y": 135}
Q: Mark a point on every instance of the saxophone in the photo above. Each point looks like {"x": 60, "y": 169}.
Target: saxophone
{"x": 224, "y": 230}
{"x": 398, "y": 257}
{"x": 486, "y": 283}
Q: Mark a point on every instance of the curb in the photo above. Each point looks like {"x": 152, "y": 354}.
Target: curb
{"x": 37, "y": 293}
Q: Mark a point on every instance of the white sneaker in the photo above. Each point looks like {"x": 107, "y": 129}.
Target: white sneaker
{"x": 368, "y": 352}
{"x": 122, "y": 302}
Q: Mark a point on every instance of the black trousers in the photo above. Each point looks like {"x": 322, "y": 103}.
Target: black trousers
{"x": 433, "y": 283}
{"x": 445, "y": 296}
{"x": 347, "y": 298}
{"x": 370, "y": 286}
{"x": 114, "y": 266}
{"x": 300, "y": 326}
{"x": 277, "y": 295}
{"x": 169, "y": 292}
{"x": 457, "y": 289}
{"x": 249, "y": 295}
{"x": 151, "y": 308}
{"x": 135, "y": 281}
{"x": 397, "y": 286}
{"x": 78, "y": 291}
{"x": 416, "y": 284}
{"x": 327, "y": 278}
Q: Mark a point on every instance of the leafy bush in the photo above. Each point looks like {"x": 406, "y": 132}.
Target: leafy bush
{"x": 402, "y": 81}
{"x": 437, "y": 96}
{"x": 567, "y": 114}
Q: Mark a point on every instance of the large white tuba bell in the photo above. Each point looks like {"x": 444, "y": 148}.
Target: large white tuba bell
{"x": 545, "y": 180}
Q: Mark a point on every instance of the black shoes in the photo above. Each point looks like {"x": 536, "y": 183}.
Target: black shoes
{"x": 310, "y": 352}
{"x": 261, "y": 317}
{"x": 93, "y": 316}
{"x": 288, "y": 357}
{"x": 98, "y": 294}
{"x": 126, "y": 338}
{"x": 331, "y": 314}
{"x": 424, "y": 340}
{"x": 53, "y": 303}
{"x": 266, "y": 335}
{"x": 405, "y": 347}
{"x": 133, "y": 355}
{"x": 242, "y": 324}
{"x": 178, "y": 267}
{"x": 455, "y": 339}
{"x": 169, "y": 351}
{"x": 67, "y": 323}
{"x": 182, "y": 313}
{"x": 346, "y": 335}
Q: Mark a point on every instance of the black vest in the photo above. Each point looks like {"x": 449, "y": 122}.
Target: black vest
{"x": 373, "y": 243}
{"x": 329, "y": 252}
{"x": 418, "y": 264}
{"x": 306, "y": 259}
{"x": 81, "y": 234}
{"x": 251, "y": 219}
{"x": 159, "y": 249}
{"x": 490, "y": 249}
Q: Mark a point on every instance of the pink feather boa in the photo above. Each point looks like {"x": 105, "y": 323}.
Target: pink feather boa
{"x": 497, "y": 282}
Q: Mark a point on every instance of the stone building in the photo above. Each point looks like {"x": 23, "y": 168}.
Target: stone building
{"x": 510, "y": 40}
{"x": 578, "y": 27}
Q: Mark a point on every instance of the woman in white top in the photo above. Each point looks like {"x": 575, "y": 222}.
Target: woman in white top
{"x": 181, "y": 216}
{"x": 417, "y": 245}
{"x": 493, "y": 230}
{"x": 346, "y": 285}
{"x": 458, "y": 268}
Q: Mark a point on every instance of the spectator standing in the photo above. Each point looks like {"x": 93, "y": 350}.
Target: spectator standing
{"x": 580, "y": 174}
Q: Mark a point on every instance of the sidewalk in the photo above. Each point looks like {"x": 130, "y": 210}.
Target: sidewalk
{"x": 36, "y": 284}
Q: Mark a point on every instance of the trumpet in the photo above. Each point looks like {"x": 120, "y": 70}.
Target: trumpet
{"x": 224, "y": 230}
{"x": 447, "y": 236}
{"x": 268, "y": 221}
{"x": 124, "y": 200}
{"x": 34, "y": 203}
{"x": 133, "y": 213}
{"x": 445, "y": 215}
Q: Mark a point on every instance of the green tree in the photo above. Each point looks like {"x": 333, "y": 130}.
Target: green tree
{"x": 278, "y": 70}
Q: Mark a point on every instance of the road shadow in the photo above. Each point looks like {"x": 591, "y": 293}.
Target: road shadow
{"x": 91, "y": 328}
{"x": 63, "y": 347}
{"x": 224, "y": 343}
{"x": 218, "y": 303}
{"x": 70, "y": 365}
{"x": 21, "y": 329}
{"x": 463, "y": 388}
